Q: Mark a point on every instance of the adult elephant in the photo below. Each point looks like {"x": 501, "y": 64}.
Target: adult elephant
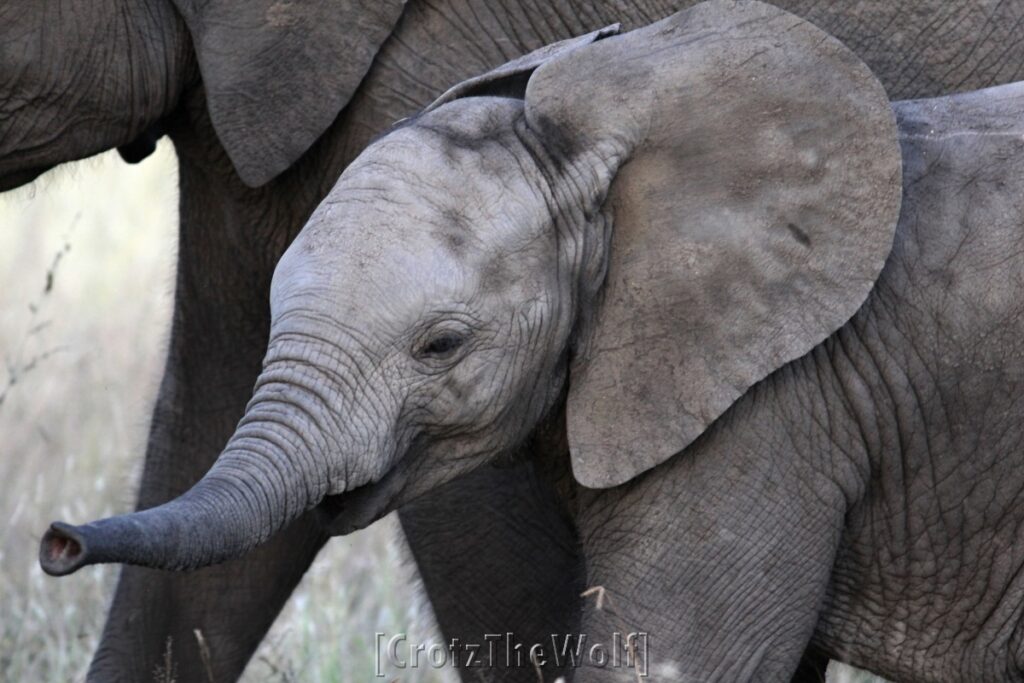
{"x": 792, "y": 405}
{"x": 266, "y": 102}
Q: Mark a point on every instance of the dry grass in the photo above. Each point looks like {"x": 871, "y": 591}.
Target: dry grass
{"x": 81, "y": 347}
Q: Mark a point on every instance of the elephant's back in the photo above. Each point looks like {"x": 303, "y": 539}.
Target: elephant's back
{"x": 931, "y": 369}
{"x": 916, "y": 48}
{"x": 926, "y": 48}
{"x": 958, "y": 256}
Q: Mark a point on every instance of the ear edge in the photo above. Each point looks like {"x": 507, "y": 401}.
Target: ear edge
{"x": 519, "y": 70}
{"x": 266, "y": 123}
{"x": 586, "y": 453}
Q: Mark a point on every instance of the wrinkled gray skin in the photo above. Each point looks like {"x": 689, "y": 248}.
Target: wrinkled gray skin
{"x": 429, "y": 317}
{"x": 232, "y": 236}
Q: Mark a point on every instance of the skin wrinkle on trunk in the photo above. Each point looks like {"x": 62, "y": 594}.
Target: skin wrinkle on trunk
{"x": 354, "y": 408}
{"x": 297, "y": 447}
{"x": 290, "y": 450}
{"x": 256, "y": 487}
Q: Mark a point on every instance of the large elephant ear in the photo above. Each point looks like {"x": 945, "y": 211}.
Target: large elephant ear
{"x": 754, "y": 188}
{"x": 277, "y": 72}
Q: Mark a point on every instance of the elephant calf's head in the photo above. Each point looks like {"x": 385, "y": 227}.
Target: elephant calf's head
{"x": 431, "y": 297}
{"x": 647, "y": 224}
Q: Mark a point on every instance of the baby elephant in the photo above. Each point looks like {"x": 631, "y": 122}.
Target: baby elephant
{"x": 792, "y": 409}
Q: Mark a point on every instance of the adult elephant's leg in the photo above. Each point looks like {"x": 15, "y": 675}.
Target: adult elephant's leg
{"x": 230, "y": 240}
{"x": 723, "y": 554}
{"x": 157, "y": 617}
{"x": 498, "y": 555}
{"x": 812, "y": 668}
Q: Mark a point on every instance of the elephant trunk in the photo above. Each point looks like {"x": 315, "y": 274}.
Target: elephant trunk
{"x": 273, "y": 469}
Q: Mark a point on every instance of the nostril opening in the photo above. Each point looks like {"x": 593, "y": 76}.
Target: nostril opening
{"x": 60, "y": 547}
{"x": 62, "y": 550}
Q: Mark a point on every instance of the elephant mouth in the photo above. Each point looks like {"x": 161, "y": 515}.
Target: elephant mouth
{"x": 15, "y": 179}
{"x": 344, "y": 513}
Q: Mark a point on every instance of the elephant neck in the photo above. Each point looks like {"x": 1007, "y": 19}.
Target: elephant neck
{"x": 547, "y": 451}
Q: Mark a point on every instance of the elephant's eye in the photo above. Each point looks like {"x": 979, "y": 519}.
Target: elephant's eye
{"x": 443, "y": 345}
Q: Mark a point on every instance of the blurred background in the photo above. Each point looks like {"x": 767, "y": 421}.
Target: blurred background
{"x": 87, "y": 256}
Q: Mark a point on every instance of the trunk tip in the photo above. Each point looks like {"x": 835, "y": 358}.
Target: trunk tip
{"x": 63, "y": 550}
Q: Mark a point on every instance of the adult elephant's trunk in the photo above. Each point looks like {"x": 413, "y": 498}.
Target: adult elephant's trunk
{"x": 273, "y": 469}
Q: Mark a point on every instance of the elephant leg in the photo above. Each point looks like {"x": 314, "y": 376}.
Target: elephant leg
{"x": 218, "y": 339}
{"x": 202, "y": 626}
{"x": 812, "y": 668}
{"x": 498, "y": 555}
{"x": 721, "y": 556}
{"x": 157, "y": 618}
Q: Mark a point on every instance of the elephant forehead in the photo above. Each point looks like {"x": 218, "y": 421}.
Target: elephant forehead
{"x": 434, "y": 186}
{"x": 404, "y": 186}
{"x": 420, "y": 220}
{"x": 379, "y": 285}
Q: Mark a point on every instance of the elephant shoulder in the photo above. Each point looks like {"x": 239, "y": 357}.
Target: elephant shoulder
{"x": 958, "y": 256}
{"x": 962, "y": 220}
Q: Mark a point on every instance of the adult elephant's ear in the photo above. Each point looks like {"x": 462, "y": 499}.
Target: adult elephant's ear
{"x": 750, "y": 166}
{"x": 278, "y": 72}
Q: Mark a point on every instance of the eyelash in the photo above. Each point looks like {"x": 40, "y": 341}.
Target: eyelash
{"x": 445, "y": 340}
{"x": 443, "y": 345}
